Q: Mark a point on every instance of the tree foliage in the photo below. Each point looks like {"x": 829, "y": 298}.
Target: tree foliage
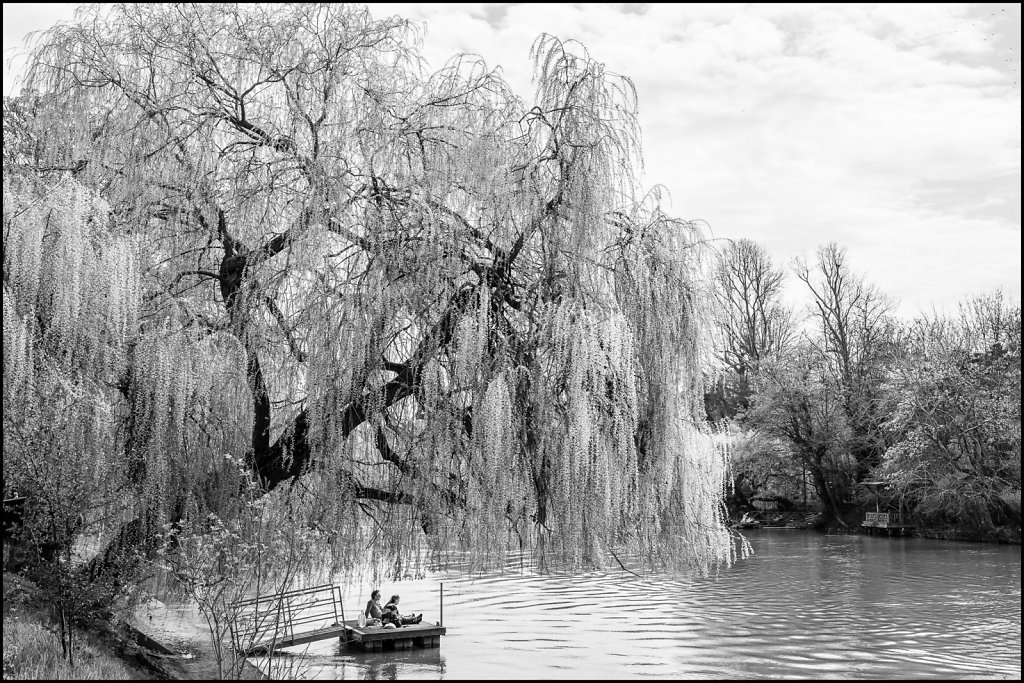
{"x": 763, "y": 466}
{"x": 423, "y": 304}
{"x": 955, "y": 420}
{"x": 796, "y": 399}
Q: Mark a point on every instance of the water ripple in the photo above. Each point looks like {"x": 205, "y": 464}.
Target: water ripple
{"x": 804, "y": 606}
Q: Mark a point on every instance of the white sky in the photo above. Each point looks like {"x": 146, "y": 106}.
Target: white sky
{"x": 891, "y": 129}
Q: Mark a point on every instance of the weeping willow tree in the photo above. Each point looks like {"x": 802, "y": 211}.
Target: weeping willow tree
{"x": 429, "y": 317}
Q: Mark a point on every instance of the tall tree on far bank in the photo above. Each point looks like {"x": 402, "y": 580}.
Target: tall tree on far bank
{"x": 753, "y": 327}
{"x": 853, "y": 331}
{"x": 826, "y": 396}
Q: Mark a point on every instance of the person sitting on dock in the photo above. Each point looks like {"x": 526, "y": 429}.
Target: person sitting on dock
{"x": 393, "y": 616}
{"x": 373, "y": 611}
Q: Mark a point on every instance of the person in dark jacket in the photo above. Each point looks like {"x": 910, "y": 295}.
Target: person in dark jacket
{"x": 390, "y": 614}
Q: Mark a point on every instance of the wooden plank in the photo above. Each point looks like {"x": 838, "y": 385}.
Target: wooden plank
{"x": 299, "y": 638}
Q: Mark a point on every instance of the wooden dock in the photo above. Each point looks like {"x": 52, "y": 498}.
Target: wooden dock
{"x": 377, "y": 638}
{"x": 267, "y": 623}
{"x": 369, "y": 638}
{"x": 289, "y": 640}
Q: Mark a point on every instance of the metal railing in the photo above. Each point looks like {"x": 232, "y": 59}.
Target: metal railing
{"x": 282, "y": 616}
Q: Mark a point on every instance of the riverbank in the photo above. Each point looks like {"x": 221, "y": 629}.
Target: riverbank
{"x": 33, "y": 652}
{"x": 995, "y": 535}
{"x": 32, "y": 649}
{"x": 182, "y": 630}
{"x": 851, "y": 523}
{"x": 156, "y": 642}
{"x": 1000, "y": 535}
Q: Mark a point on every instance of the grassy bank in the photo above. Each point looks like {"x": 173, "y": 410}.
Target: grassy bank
{"x": 32, "y": 650}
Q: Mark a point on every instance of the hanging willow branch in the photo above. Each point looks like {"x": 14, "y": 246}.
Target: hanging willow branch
{"x": 437, "y": 307}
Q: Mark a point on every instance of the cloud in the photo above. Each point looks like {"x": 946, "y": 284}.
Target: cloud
{"x": 20, "y": 20}
{"x": 892, "y": 129}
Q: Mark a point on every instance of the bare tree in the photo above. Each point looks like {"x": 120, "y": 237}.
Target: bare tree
{"x": 854, "y": 329}
{"x": 851, "y": 313}
{"x": 754, "y": 323}
{"x": 990, "y": 323}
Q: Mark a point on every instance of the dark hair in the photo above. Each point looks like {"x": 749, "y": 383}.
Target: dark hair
{"x": 394, "y": 598}
{"x": 375, "y": 594}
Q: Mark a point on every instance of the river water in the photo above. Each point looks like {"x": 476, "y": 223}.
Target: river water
{"x": 804, "y": 605}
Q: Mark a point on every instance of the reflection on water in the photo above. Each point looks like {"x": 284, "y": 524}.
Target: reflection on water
{"x": 387, "y": 666}
{"x": 805, "y": 605}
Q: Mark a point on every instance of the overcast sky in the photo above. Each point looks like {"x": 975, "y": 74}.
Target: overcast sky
{"x": 891, "y": 129}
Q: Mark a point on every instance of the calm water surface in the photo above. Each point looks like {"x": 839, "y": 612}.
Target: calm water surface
{"x": 805, "y": 605}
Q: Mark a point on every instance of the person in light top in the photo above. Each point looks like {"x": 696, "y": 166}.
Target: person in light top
{"x": 373, "y": 612}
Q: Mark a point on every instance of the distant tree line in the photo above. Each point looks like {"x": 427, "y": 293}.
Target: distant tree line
{"x": 843, "y": 393}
